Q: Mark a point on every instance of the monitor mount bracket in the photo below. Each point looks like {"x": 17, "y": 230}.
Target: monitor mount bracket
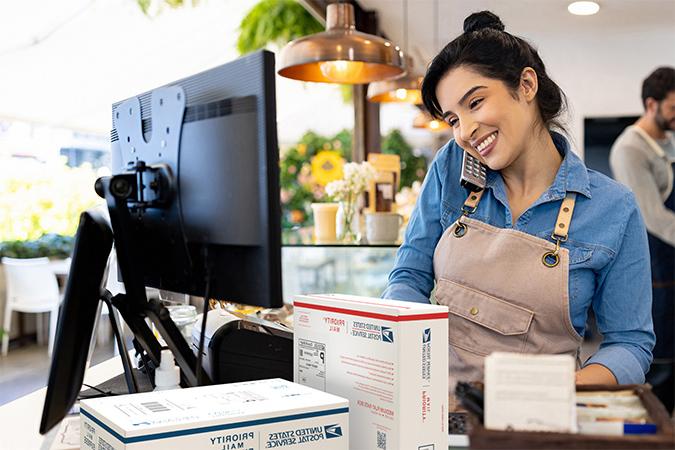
{"x": 131, "y": 193}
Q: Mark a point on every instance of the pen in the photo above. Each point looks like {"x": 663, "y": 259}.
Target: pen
{"x": 616, "y": 428}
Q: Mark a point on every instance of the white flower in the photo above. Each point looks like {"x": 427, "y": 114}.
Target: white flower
{"x": 337, "y": 189}
{"x": 356, "y": 178}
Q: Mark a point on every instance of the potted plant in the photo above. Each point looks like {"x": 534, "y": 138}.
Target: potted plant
{"x": 48, "y": 245}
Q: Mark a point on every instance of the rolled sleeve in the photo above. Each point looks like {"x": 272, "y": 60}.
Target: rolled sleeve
{"x": 624, "y": 364}
{"x": 412, "y": 278}
{"x": 623, "y": 304}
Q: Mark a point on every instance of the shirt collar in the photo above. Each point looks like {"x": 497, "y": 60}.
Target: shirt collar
{"x": 572, "y": 175}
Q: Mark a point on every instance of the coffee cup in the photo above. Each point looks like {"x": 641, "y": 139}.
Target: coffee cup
{"x": 324, "y": 222}
{"x": 383, "y": 227}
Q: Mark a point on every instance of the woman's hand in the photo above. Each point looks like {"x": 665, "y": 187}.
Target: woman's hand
{"x": 595, "y": 374}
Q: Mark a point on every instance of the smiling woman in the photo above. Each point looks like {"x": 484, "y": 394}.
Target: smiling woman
{"x": 545, "y": 241}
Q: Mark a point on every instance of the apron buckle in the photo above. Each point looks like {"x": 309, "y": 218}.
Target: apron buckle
{"x": 466, "y": 211}
{"x": 552, "y": 258}
{"x": 460, "y": 230}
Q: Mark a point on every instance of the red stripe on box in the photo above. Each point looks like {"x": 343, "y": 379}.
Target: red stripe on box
{"x": 353, "y": 312}
{"x": 360, "y": 302}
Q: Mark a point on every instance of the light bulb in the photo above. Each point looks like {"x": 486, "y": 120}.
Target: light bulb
{"x": 401, "y": 94}
{"x": 341, "y": 71}
{"x": 583, "y": 8}
{"x": 434, "y": 125}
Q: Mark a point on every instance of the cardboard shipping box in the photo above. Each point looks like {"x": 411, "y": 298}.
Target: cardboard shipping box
{"x": 254, "y": 415}
{"x": 389, "y": 358}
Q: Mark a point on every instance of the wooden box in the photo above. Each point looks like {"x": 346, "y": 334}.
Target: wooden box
{"x": 481, "y": 438}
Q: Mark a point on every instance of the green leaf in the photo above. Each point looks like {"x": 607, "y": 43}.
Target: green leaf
{"x": 274, "y": 22}
{"x": 144, "y": 5}
{"x": 49, "y": 245}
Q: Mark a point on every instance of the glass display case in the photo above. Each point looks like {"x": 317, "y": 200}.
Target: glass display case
{"x": 339, "y": 268}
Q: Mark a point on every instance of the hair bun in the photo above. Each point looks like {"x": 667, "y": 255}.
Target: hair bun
{"x": 484, "y": 19}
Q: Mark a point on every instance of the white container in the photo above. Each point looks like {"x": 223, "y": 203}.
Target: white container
{"x": 324, "y": 222}
{"x": 167, "y": 375}
{"x": 389, "y": 358}
{"x": 383, "y": 227}
{"x": 253, "y": 415}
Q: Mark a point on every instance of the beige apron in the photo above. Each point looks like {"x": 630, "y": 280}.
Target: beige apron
{"x": 506, "y": 291}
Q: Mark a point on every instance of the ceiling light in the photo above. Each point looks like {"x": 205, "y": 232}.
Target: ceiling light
{"x": 401, "y": 90}
{"x": 424, "y": 120}
{"x": 405, "y": 89}
{"x": 583, "y": 8}
{"x": 341, "y": 54}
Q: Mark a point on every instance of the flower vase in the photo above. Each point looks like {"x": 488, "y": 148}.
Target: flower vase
{"x": 347, "y": 223}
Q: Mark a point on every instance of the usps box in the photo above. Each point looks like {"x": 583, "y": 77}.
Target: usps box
{"x": 255, "y": 415}
{"x": 389, "y": 358}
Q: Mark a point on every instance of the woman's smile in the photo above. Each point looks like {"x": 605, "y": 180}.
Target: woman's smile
{"x": 485, "y": 144}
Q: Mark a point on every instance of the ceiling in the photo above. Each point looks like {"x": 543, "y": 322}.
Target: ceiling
{"x": 526, "y": 18}
{"x": 64, "y": 63}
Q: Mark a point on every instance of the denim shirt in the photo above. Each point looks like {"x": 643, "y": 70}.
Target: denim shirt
{"x": 609, "y": 255}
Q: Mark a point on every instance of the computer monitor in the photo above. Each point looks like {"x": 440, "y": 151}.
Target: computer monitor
{"x": 77, "y": 317}
{"x": 227, "y": 175}
{"x": 194, "y": 208}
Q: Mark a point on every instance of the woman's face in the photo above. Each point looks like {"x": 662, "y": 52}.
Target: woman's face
{"x": 489, "y": 120}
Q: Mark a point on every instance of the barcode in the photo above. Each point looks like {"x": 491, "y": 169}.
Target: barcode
{"x": 382, "y": 440}
{"x": 155, "y": 407}
{"x": 103, "y": 445}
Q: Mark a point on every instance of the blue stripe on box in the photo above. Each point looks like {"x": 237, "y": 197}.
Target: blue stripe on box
{"x": 227, "y": 426}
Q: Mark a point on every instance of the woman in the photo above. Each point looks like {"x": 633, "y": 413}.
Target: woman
{"x": 521, "y": 262}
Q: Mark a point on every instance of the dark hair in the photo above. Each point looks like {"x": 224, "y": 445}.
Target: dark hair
{"x": 658, "y": 84}
{"x": 489, "y": 50}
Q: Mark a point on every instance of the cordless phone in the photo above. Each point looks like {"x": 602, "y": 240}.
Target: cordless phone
{"x": 473, "y": 174}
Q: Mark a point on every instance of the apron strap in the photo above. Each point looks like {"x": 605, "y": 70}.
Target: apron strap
{"x": 662, "y": 154}
{"x": 650, "y": 141}
{"x": 472, "y": 201}
{"x": 562, "y": 223}
{"x": 469, "y": 207}
{"x": 561, "y": 229}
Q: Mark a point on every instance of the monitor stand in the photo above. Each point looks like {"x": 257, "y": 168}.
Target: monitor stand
{"x": 134, "y": 306}
{"x": 131, "y": 381}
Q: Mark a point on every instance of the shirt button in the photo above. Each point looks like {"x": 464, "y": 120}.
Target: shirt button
{"x": 474, "y": 311}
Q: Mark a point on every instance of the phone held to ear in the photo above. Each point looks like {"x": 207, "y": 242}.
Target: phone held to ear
{"x": 474, "y": 173}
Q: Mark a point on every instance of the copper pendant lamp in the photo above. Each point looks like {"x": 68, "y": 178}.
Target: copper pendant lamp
{"x": 405, "y": 89}
{"x": 341, "y": 54}
{"x": 424, "y": 120}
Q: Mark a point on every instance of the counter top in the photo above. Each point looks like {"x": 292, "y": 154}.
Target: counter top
{"x": 20, "y": 418}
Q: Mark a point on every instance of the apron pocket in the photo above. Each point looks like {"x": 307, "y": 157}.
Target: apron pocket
{"x": 481, "y": 323}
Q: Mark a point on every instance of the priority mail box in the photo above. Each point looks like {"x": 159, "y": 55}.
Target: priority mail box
{"x": 255, "y": 415}
{"x": 389, "y": 358}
